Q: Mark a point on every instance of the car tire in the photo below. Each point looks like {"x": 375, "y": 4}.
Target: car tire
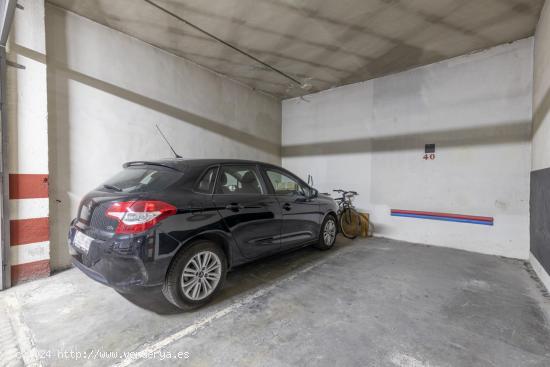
{"x": 329, "y": 229}
{"x": 205, "y": 267}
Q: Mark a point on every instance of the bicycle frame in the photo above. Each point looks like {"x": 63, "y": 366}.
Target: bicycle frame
{"x": 344, "y": 202}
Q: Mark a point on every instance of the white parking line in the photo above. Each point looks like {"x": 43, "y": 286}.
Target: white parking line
{"x": 149, "y": 350}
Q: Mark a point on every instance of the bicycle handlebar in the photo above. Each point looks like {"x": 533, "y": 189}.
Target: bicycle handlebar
{"x": 346, "y": 192}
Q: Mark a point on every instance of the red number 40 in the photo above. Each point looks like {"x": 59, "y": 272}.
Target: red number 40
{"x": 429, "y": 157}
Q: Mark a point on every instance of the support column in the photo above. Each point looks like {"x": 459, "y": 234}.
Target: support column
{"x": 28, "y": 144}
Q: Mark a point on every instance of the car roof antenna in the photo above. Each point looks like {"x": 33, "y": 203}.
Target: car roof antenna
{"x": 167, "y": 142}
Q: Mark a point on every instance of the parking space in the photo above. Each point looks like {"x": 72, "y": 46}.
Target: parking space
{"x": 366, "y": 302}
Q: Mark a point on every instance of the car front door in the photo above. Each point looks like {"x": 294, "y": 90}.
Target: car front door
{"x": 251, "y": 213}
{"x": 301, "y": 214}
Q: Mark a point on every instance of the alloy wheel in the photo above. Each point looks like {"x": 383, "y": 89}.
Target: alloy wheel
{"x": 201, "y": 275}
{"x": 329, "y": 233}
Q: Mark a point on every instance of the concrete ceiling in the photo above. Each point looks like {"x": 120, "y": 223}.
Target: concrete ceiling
{"x": 323, "y": 43}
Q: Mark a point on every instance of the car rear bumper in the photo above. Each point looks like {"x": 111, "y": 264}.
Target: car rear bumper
{"x": 98, "y": 277}
{"x": 122, "y": 265}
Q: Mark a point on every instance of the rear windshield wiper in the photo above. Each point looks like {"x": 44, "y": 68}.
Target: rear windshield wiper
{"x": 112, "y": 187}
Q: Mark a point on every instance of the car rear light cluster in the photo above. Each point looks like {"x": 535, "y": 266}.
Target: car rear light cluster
{"x": 140, "y": 215}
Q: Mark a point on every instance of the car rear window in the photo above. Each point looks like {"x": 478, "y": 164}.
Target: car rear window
{"x": 141, "y": 179}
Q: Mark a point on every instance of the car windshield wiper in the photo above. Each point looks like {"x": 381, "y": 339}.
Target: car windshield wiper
{"x": 112, "y": 187}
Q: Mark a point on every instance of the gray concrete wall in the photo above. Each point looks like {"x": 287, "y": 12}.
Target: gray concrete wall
{"x": 106, "y": 92}
{"x": 541, "y": 93}
{"x": 370, "y": 137}
{"x": 540, "y": 177}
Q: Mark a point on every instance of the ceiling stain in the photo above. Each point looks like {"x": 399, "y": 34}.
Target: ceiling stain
{"x": 324, "y": 44}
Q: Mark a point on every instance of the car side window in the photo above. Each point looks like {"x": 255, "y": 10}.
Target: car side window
{"x": 283, "y": 184}
{"x": 238, "y": 180}
{"x": 206, "y": 184}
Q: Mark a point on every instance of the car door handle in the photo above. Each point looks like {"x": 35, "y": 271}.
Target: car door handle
{"x": 234, "y": 207}
{"x": 287, "y": 206}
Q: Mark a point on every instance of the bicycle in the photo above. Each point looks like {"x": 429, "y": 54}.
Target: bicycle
{"x": 348, "y": 218}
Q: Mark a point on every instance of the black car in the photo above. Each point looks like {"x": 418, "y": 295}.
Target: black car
{"x": 183, "y": 224}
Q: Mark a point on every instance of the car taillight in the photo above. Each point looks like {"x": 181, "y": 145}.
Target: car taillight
{"x": 140, "y": 215}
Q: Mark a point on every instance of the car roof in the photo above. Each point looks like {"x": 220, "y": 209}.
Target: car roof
{"x": 182, "y": 163}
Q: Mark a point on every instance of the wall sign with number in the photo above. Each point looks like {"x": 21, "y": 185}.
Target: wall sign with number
{"x": 429, "y": 152}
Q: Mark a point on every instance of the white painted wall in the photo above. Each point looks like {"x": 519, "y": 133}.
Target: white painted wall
{"x": 27, "y": 98}
{"x": 370, "y": 137}
{"x": 107, "y": 90}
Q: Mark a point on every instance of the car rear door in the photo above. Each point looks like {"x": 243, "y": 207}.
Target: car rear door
{"x": 301, "y": 214}
{"x": 252, "y": 214}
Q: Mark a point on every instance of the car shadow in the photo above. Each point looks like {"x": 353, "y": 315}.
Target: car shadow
{"x": 242, "y": 279}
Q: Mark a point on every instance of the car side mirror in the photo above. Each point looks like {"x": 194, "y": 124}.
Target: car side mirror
{"x": 313, "y": 193}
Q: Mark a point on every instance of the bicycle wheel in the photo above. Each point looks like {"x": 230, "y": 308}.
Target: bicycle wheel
{"x": 350, "y": 223}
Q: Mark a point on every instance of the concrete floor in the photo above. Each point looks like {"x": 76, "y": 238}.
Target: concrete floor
{"x": 374, "y": 302}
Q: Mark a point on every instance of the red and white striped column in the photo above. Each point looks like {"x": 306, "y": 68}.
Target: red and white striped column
{"x": 29, "y": 227}
{"x": 27, "y": 107}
